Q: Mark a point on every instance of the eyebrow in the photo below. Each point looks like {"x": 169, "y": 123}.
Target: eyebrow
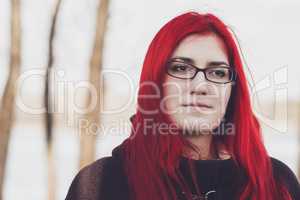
{"x": 191, "y": 61}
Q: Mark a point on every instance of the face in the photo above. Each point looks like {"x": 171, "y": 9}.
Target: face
{"x": 196, "y": 104}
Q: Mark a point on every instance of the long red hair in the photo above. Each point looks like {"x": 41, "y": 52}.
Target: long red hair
{"x": 151, "y": 159}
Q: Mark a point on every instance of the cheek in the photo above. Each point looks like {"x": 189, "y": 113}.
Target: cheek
{"x": 173, "y": 91}
{"x": 225, "y": 93}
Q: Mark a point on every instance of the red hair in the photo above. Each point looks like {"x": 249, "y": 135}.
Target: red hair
{"x": 151, "y": 159}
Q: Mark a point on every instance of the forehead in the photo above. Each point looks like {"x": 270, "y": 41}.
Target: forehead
{"x": 202, "y": 48}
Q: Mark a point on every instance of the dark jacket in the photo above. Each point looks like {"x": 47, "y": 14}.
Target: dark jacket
{"x": 105, "y": 180}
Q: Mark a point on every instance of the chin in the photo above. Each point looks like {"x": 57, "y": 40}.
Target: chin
{"x": 195, "y": 124}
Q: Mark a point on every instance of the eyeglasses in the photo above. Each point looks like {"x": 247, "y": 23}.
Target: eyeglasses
{"x": 218, "y": 74}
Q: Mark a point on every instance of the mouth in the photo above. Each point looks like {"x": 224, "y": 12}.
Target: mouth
{"x": 200, "y": 105}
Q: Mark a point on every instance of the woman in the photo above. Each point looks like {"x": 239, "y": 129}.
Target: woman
{"x": 194, "y": 134}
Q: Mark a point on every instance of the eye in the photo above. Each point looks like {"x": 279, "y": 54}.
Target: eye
{"x": 181, "y": 70}
{"x": 178, "y": 67}
{"x": 219, "y": 72}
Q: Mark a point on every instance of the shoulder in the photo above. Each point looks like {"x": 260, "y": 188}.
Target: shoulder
{"x": 283, "y": 173}
{"x": 88, "y": 181}
{"x": 280, "y": 168}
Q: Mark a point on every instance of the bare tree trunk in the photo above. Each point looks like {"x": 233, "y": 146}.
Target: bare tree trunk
{"x": 7, "y": 108}
{"x": 88, "y": 140}
{"x": 48, "y": 104}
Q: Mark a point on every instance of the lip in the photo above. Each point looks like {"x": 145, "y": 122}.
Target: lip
{"x": 201, "y": 105}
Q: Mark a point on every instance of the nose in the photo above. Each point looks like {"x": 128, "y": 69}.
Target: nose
{"x": 199, "y": 84}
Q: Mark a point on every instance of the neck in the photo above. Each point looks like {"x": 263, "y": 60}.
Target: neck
{"x": 204, "y": 149}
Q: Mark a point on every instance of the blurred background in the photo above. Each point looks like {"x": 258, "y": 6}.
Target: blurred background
{"x": 56, "y": 56}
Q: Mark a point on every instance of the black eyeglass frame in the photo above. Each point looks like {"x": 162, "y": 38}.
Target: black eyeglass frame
{"x": 233, "y": 75}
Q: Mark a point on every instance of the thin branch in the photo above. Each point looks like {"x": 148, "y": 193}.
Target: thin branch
{"x": 48, "y": 104}
{"x": 87, "y": 142}
{"x": 7, "y": 107}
